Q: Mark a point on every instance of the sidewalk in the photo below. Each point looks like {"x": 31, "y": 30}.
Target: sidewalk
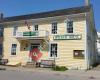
{"x": 20, "y": 68}
{"x": 91, "y": 74}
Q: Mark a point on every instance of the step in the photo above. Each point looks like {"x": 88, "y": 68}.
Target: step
{"x": 30, "y": 65}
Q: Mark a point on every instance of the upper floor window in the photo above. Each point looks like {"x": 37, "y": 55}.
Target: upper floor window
{"x": 36, "y": 27}
{"x": 54, "y": 28}
{"x": 1, "y": 31}
{"x": 15, "y": 30}
{"x": 70, "y": 26}
{"x": 53, "y": 50}
{"x": 13, "y": 49}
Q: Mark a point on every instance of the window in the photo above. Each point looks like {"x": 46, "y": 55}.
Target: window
{"x": 15, "y": 30}
{"x": 53, "y": 50}
{"x": 70, "y": 26}
{"x": 1, "y": 31}
{"x": 13, "y": 49}
{"x": 54, "y": 28}
{"x": 36, "y": 27}
{"x": 78, "y": 54}
{"x": 1, "y": 46}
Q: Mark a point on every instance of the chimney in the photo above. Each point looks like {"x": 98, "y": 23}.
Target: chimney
{"x": 1, "y": 16}
{"x": 87, "y": 2}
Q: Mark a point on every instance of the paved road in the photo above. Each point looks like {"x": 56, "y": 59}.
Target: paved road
{"x": 48, "y": 75}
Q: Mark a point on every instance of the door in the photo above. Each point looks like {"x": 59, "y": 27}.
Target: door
{"x": 34, "y": 46}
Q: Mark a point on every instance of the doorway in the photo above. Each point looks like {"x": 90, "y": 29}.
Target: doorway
{"x": 34, "y": 46}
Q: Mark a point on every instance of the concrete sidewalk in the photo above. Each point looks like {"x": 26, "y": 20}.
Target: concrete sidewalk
{"x": 78, "y": 74}
{"x": 20, "y": 68}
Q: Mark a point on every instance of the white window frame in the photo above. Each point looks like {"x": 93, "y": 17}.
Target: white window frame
{"x": 50, "y": 50}
{"x": 34, "y": 27}
{"x": 57, "y": 28}
{"x": 67, "y": 26}
{"x": 13, "y": 30}
{"x": 11, "y": 49}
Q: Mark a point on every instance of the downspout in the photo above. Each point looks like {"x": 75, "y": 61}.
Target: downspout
{"x": 87, "y": 55}
{"x": 86, "y": 44}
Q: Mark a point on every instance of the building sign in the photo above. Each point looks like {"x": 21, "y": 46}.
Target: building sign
{"x": 67, "y": 37}
{"x": 30, "y": 33}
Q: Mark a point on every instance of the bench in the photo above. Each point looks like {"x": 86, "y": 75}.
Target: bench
{"x": 3, "y": 61}
{"x": 47, "y": 63}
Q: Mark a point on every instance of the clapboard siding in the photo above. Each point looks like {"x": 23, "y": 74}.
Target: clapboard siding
{"x": 65, "y": 47}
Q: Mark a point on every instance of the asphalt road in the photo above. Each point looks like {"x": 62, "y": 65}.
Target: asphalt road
{"x": 27, "y": 75}
{"x": 42, "y": 75}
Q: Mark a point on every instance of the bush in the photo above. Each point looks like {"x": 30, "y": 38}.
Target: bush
{"x": 60, "y": 68}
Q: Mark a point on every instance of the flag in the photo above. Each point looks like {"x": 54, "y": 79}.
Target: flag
{"x": 28, "y": 26}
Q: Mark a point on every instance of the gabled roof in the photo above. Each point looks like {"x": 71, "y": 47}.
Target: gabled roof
{"x": 68, "y": 11}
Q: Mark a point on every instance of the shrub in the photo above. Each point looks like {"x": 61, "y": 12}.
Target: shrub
{"x": 60, "y": 68}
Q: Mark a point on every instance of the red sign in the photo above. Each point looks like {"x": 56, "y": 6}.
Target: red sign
{"x": 35, "y": 54}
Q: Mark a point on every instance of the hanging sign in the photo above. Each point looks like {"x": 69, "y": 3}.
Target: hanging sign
{"x": 67, "y": 37}
{"x": 35, "y": 54}
{"x": 30, "y": 33}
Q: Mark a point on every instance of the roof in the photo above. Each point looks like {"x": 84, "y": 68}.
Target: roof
{"x": 61, "y": 12}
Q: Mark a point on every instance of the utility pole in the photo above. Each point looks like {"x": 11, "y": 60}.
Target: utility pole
{"x": 87, "y": 2}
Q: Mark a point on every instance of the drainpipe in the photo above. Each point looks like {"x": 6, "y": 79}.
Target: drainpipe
{"x": 87, "y": 55}
{"x": 87, "y": 59}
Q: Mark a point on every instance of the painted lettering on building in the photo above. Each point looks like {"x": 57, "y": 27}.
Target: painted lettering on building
{"x": 67, "y": 37}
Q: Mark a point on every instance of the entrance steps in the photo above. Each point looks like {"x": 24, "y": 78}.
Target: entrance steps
{"x": 30, "y": 65}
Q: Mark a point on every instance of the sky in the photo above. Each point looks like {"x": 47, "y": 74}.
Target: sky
{"x": 22, "y": 7}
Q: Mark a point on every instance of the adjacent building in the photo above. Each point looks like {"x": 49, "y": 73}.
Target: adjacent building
{"x": 67, "y": 36}
{"x": 1, "y": 41}
{"x": 98, "y": 46}
{"x": 1, "y": 37}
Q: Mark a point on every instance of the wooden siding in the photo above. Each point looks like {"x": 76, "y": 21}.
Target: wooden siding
{"x": 65, "y": 47}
